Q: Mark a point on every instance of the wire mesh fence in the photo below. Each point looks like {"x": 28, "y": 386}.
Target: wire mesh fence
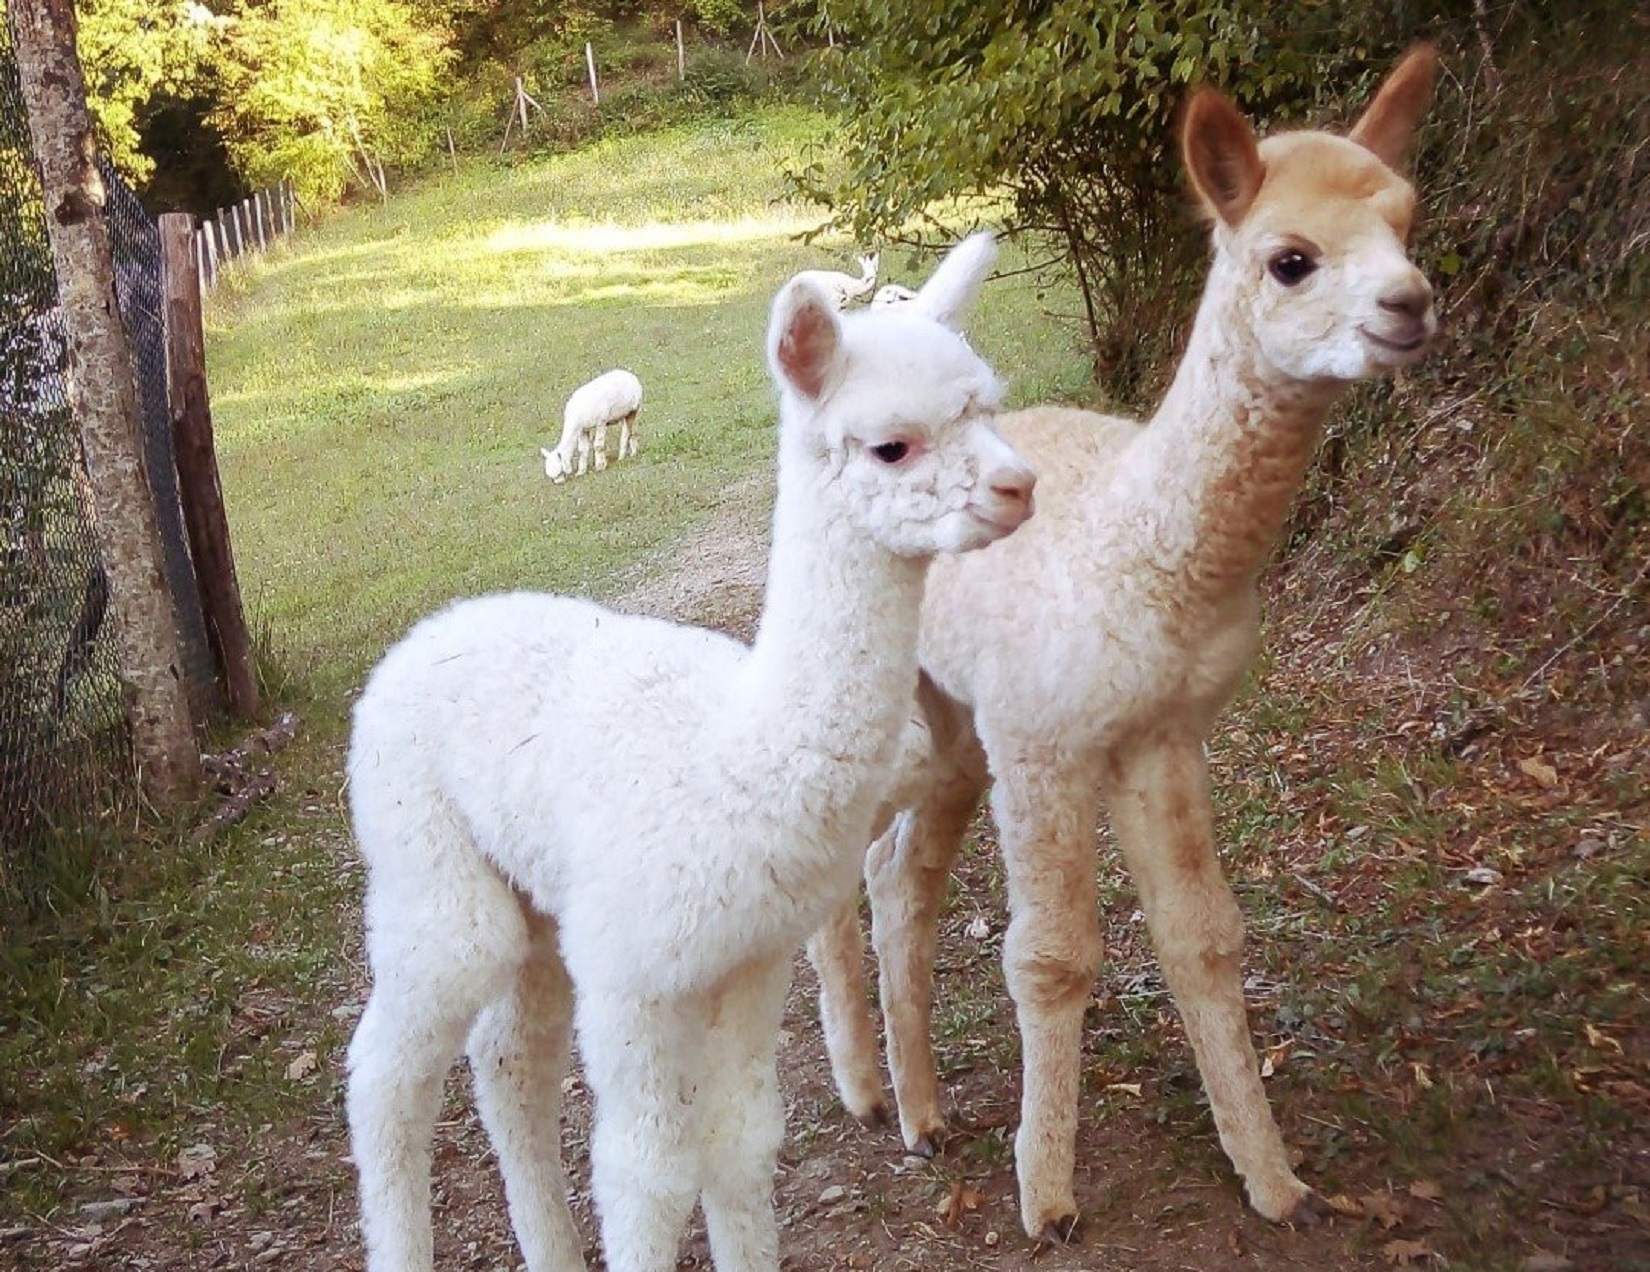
{"x": 64, "y": 743}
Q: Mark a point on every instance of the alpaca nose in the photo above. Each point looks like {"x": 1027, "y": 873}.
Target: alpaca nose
{"x": 1412, "y": 300}
{"x": 1014, "y": 489}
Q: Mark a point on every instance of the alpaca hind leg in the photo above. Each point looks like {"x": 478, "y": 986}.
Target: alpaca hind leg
{"x": 519, "y": 1050}
{"x": 837, "y": 953}
{"x": 448, "y": 942}
{"x": 642, "y": 1060}
{"x": 1046, "y": 816}
{"x": 741, "y": 1119}
{"x": 906, "y": 873}
{"x": 1160, "y": 807}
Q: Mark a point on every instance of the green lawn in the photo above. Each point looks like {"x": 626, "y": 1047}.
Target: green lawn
{"x": 381, "y": 392}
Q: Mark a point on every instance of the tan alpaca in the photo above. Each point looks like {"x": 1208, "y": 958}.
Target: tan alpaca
{"x": 1089, "y": 655}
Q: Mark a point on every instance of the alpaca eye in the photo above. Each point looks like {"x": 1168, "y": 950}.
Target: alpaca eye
{"x": 1291, "y": 267}
{"x": 891, "y": 452}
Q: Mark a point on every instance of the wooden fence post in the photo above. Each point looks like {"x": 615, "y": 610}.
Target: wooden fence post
{"x": 681, "y": 53}
{"x": 197, "y": 461}
{"x": 590, "y": 61}
{"x": 258, "y": 211}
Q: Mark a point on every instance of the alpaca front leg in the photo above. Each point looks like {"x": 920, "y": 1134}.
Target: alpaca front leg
{"x": 519, "y": 1050}
{"x": 837, "y": 952}
{"x": 906, "y": 873}
{"x": 1160, "y": 806}
{"x": 584, "y": 453}
{"x": 1046, "y": 819}
{"x": 641, "y": 1059}
{"x": 600, "y": 452}
{"x": 741, "y": 1119}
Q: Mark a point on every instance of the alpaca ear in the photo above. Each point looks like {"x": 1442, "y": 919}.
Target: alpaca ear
{"x": 948, "y": 291}
{"x": 1388, "y": 124}
{"x": 1221, "y": 155}
{"x": 804, "y": 339}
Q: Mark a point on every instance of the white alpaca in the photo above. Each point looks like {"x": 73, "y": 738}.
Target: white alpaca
{"x": 574, "y": 819}
{"x": 1140, "y": 573}
{"x": 892, "y": 294}
{"x": 613, "y": 395}
{"x": 843, "y": 288}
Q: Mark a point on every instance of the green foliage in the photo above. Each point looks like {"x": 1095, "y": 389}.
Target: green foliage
{"x": 324, "y": 90}
{"x": 1065, "y": 108}
{"x": 131, "y": 50}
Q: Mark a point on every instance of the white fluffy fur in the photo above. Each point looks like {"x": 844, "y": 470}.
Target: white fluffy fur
{"x": 613, "y": 395}
{"x": 1140, "y": 573}
{"x": 575, "y": 820}
{"x": 844, "y": 288}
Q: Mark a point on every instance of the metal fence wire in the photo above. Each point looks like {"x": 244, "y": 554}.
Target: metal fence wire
{"x": 65, "y": 752}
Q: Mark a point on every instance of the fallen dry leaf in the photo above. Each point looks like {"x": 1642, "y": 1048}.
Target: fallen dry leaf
{"x": 1403, "y": 1253}
{"x": 1127, "y": 1088}
{"x": 1544, "y": 774}
{"x": 1426, "y": 1190}
{"x": 962, "y": 1200}
{"x": 303, "y": 1064}
{"x": 197, "y": 1161}
{"x": 1599, "y": 1038}
{"x": 1341, "y": 1204}
{"x": 1385, "y": 1209}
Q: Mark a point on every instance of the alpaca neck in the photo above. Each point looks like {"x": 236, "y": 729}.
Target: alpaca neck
{"x": 1228, "y": 448}
{"x": 836, "y": 649}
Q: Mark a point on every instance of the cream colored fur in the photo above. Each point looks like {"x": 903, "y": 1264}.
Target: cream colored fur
{"x": 575, "y": 821}
{"x": 1089, "y": 656}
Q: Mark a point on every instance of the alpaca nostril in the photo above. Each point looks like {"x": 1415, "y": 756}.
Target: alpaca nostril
{"x": 1015, "y": 490}
{"x": 1411, "y": 303}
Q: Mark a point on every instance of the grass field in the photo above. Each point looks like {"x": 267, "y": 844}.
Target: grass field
{"x": 382, "y": 392}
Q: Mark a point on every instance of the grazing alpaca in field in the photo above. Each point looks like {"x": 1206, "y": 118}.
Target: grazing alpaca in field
{"x": 1089, "y": 656}
{"x": 574, "y": 819}
{"x": 613, "y": 395}
{"x": 893, "y": 294}
{"x": 843, "y": 288}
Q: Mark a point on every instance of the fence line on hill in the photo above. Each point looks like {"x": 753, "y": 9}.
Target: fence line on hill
{"x": 248, "y": 226}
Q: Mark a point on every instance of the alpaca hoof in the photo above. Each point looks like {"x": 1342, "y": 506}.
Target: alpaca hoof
{"x": 1063, "y": 1230}
{"x": 1308, "y": 1212}
{"x": 876, "y": 1118}
{"x": 931, "y": 1144}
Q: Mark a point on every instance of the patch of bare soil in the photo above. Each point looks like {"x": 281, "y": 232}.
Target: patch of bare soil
{"x": 1157, "y": 1193}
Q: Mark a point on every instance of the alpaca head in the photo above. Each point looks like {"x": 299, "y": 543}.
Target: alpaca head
{"x": 895, "y": 413}
{"x": 555, "y": 467}
{"x": 892, "y": 294}
{"x": 1312, "y": 230}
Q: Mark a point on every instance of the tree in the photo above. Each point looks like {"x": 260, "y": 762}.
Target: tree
{"x": 60, "y": 126}
{"x": 130, "y": 51}
{"x": 1064, "y": 110}
{"x": 323, "y": 91}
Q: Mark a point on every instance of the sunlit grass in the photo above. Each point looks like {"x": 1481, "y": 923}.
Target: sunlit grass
{"x": 382, "y": 389}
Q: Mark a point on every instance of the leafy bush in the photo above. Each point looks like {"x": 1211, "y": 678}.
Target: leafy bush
{"x": 1067, "y": 110}
{"x": 720, "y": 77}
